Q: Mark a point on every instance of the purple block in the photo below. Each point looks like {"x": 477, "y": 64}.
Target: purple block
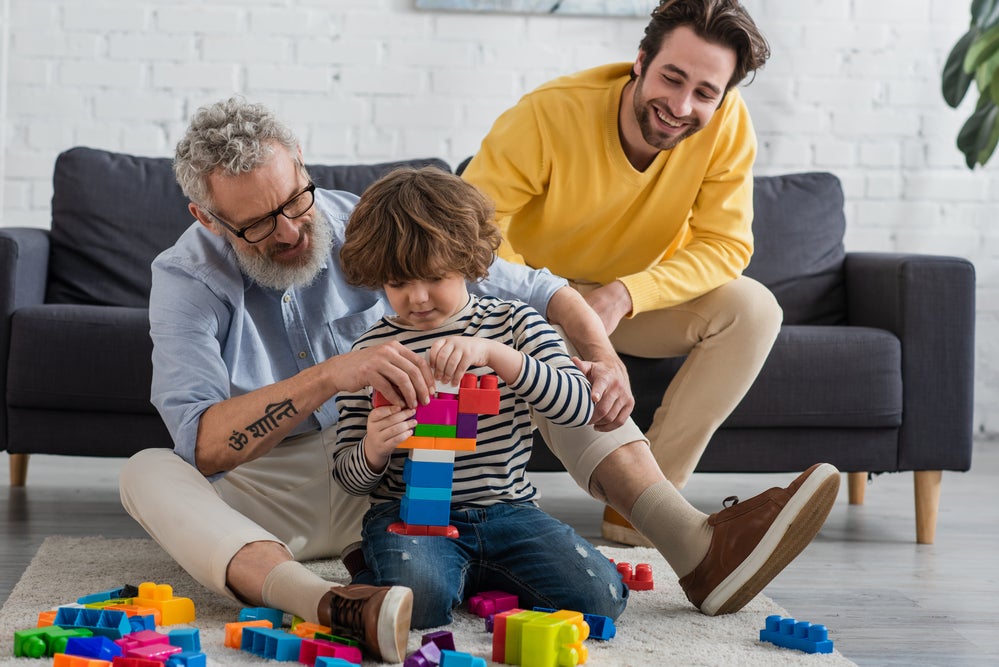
{"x": 425, "y": 656}
{"x": 443, "y": 639}
{"x": 468, "y": 425}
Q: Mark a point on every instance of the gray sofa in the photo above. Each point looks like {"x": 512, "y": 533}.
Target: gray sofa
{"x": 872, "y": 371}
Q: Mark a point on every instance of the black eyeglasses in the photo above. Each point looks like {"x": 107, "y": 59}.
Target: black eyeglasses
{"x": 255, "y": 232}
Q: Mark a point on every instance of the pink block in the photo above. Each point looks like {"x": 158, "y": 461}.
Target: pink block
{"x": 439, "y": 411}
{"x": 488, "y": 603}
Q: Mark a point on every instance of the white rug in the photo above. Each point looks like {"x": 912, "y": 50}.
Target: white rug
{"x": 659, "y": 627}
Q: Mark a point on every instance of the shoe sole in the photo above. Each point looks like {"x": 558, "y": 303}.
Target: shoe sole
{"x": 393, "y": 623}
{"x": 790, "y": 533}
{"x": 623, "y": 535}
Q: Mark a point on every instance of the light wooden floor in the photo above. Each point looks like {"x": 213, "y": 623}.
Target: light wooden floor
{"x": 885, "y": 600}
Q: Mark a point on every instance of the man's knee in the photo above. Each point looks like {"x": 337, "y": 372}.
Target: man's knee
{"x": 757, "y": 306}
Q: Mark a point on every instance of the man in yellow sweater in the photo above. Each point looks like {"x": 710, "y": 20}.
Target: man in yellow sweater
{"x": 634, "y": 181}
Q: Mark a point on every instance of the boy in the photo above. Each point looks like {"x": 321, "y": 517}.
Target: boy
{"x": 420, "y": 235}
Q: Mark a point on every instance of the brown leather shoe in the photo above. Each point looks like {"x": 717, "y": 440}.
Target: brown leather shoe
{"x": 756, "y": 539}
{"x": 617, "y": 529}
{"x": 376, "y": 616}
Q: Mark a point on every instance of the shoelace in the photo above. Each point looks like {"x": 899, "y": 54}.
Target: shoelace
{"x": 346, "y": 615}
{"x": 731, "y": 500}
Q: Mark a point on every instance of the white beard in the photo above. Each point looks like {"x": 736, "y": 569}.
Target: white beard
{"x": 264, "y": 271}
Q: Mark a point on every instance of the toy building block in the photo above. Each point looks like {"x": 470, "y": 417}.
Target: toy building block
{"x": 97, "y": 647}
{"x": 46, "y": 618}
{"x": 187, "y": 659}
{"x": 107, "y": 622}
{"x": 515, "y": 634}
{"x": 125, "y": 592}
{"x": 601, "y": 627}
{"x": 467, "y": 426}
{"x": 188, "y": 639}
{"x": 234, "y": 631}
{"x": 157, "y": 652}
{"x": 428, "y": 473}
{"x": 327, "y": 661}
{"x": 67, "y": 660}
{"x": 271, "y": 643}
{"x": 455, "y": 444}
{"x": 173, "y": 610}
{"x": 135, "y": 662}
{"x": 800, "y": 635}
{"x": 46, "y": 641}
{"x": 336, "y": 639}
{"x": 640, "y": 579}
{"x": 498, "y": 628}
{"x": 441, "y": 411}
{"x": 307, "y": 630}
{"x": 275, "y": 616}
{"x": 428, "y": 655}
{"x": 488, "y": 603}
{"x": 483, "y": 399}
{"x": 139, "y": 623}
{"x": 313, "y": 649}
{"x": 442, "y": 639}
{"x": 552, "y": 641}
{"x": 141, "y": 638}
{"x": 457, "y": 659}
{"x": 133, "y": 611}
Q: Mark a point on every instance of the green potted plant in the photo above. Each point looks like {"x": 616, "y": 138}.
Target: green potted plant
{"x": 975, "y": 57}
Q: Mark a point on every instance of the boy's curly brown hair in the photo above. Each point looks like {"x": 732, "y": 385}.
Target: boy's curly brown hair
{"x": 419, "y": 224}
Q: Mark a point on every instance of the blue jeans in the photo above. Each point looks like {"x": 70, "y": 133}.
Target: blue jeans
{"x": 512, "y": 547}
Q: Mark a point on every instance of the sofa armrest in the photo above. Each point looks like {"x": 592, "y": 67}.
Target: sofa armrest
{"x": 928, "y": 301}
{"x": 24, "y": 263}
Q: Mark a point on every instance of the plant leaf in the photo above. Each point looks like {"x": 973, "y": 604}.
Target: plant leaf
{"x": 974, "y": 135}
{"x": 984, "y": 13}
{"x": 990, "y": 143}
{"x": 954, "y": 80}
{"x": 981, "y": 49}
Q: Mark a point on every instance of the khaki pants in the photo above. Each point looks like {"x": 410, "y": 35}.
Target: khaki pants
{"x": 726, "y": 335}
{"x": 287, "y": 496}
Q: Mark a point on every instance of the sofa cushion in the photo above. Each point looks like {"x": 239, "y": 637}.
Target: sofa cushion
{"x": 798, "y": 226}
{"x": 816, "y": 376}
{"x": 80, "y": 358}
{"x": 113, "y": 213}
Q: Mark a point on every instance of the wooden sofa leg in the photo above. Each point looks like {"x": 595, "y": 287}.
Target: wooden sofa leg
{"x": 856, "y": 485}
{"x": 18, "y": 469}
{"x": 927, "y": 487}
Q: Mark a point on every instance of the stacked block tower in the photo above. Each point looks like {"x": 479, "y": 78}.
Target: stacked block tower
{"x": 447, "y": 424}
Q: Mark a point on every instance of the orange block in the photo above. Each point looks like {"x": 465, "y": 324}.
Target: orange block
{"x": 306, "y": 629}
{"x": 455, "y": 444}
{"x": 66, "y": 660}
{"x": 234, "y": 631}
{"x": 160, "y": 596}
{"x": 418, "y": 442}
{"x": 46, "y": 618}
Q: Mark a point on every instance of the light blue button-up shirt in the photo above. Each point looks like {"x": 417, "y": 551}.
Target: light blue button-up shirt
{"x": 216, "y": 334}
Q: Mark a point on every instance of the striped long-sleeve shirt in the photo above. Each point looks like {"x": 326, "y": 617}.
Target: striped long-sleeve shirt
{"x": 549, "y": 384}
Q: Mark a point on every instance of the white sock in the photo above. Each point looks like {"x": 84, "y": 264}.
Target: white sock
{"x": 677, "y": 529}
{"x": 294, "y": 589}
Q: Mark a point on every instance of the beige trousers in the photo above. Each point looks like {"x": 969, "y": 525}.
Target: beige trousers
{"x": 726, "y": 335}
{"x": 287, "y": 496}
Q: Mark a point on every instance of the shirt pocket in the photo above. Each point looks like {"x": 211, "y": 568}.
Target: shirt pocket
{"x": 345, "y": 330}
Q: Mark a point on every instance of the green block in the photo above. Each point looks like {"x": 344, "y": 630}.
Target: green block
{"x": 435, "y": 431}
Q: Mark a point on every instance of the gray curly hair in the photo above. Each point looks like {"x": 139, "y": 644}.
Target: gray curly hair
{"x": 233, "y": 135}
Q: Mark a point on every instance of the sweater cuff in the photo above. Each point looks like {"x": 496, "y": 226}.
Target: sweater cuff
{"x": 644, "y": 291}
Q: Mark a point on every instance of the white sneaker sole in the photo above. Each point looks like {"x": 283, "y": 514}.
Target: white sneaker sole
{"x": 393, "y": 623}
{"x": 805, "y": 513}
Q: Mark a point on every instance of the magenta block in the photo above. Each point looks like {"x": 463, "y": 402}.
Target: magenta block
{"x": 439, "y": 411}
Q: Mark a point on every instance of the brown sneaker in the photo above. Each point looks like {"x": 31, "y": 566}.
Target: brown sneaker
{"x": 756, "y": 539}
{"x": 376, "y": 616}
{"x": 617, "y": 529}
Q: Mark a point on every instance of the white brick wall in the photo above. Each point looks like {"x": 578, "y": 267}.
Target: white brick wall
{"x": 852, "y": 88}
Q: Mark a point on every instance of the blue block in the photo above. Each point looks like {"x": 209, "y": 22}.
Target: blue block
{"x": 186, "y": 638}
{"x": 97, "y": 647}
{"x": 425, "y": 512}
{"x": 271, "y": 643}
{"x": 104, "y": 622}
{"x": 799, "y": 635}
{"x": 275, "y": 616}
{"x": 188, "y": 659}
{"x": 456, "y": 659}
{"x": 140, "y": 623}
{"x": 327, "y": 661}
{"x": 428, "y": 473}
{"x": 428, "y": 493}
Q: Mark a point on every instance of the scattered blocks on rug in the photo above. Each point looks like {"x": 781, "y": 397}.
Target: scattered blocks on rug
{"x": 96, "y": 647}
{"x": 275, "y": 616}
{"x": 457, "y": 659}
{"x": 799, "y": 635}
{"x": 173, "y": 610}
{"x": 442, "y": 639}
{"x": 640, "y": 579}
{"x": 108, "y": 623}
{"x": 601, "y": 627}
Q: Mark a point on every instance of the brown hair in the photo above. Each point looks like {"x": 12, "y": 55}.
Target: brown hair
{"x": 722, "y": 22}
{"x": 419, "y": 224}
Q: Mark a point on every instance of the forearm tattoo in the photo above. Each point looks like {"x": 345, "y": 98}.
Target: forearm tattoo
{"x": 273, "y": 413}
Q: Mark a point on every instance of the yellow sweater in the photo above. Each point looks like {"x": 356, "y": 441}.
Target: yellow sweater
{"x": 568, "y": 199}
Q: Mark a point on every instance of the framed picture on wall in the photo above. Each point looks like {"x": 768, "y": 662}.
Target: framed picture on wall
{"x": 559, "y": 7}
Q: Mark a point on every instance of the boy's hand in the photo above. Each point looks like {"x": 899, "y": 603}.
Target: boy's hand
{"x": 451, "y": 357}
{"x": 388, "y": 426}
